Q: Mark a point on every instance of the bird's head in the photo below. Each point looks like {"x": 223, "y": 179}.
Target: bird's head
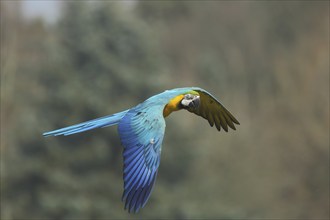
{"x": 190, "y": 101}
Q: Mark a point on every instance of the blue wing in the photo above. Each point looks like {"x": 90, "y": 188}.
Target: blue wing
{"x": 141, "y": 132}
{"x": 88, "y": 125}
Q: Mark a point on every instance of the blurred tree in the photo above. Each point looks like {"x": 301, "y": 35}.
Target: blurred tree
{"x": 95, "y": 54}
{"x": 269, "y": 62}
{"x": 266, "y": 59}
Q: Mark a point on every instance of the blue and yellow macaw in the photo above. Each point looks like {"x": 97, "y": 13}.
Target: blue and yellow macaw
{"x": 141, "y": 130}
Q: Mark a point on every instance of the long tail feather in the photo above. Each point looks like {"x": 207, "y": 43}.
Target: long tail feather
{"x": 88, "y": 125}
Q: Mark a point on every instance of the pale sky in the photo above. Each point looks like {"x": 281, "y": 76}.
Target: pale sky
{"x": 47, "y": 9}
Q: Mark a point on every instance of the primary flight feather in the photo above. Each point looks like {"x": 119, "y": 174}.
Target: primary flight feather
{"x": 141, "y": 130}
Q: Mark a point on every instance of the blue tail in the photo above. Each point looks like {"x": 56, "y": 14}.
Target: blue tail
{"x": 88, "y": 125}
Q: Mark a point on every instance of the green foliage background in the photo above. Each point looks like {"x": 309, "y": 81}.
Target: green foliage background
{"x": 268, "y": 62}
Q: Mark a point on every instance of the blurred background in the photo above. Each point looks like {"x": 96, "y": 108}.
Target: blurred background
{"x": 64, "y": 62}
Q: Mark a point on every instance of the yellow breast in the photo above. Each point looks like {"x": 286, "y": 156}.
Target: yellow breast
{"x": 172, "y": 105}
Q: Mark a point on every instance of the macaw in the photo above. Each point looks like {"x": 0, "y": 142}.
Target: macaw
{"x": 141, "y": 130}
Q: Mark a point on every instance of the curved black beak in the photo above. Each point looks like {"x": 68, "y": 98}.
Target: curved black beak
{"x": 194, "y": 103}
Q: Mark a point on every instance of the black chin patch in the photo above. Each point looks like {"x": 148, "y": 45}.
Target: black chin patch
{"x": 195, "y": 102}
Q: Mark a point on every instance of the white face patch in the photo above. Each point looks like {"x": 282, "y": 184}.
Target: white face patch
{"x": 152, "y": 141}
{"x": 190, "y": 100}
{"x": 185, "y": 102}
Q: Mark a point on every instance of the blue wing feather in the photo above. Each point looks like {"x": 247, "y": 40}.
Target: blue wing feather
{"x": 141, "y": 132}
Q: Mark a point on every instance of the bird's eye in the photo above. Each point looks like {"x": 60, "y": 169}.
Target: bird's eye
{"x": 188, "y": 96}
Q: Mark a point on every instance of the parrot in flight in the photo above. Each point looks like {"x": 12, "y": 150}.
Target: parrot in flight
{"x": 141, "y": 130}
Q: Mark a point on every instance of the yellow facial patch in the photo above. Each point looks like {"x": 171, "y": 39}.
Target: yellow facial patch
{"x": 172, "y": 105}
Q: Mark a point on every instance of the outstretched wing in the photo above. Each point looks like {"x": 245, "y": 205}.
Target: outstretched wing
{"x": 141, "y": 132}
{"x": 213, "y": 111}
